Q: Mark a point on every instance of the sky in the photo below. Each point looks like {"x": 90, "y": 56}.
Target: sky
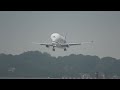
{"x": 18, "y": 29}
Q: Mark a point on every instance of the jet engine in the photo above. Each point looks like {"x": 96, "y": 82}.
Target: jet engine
{"x": 47, "y": 46}
{"x": 67, "y": 45}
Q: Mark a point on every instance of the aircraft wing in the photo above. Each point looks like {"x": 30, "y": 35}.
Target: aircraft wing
{"x": 72, "y": 44}
{"x": 46, "y": 44}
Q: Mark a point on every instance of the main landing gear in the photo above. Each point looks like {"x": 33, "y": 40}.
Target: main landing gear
{"x": 53, "y": 49}
{"x": 65, "y": 49}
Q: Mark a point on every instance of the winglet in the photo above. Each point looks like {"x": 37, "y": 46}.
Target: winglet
{"x": 65, "y": 36}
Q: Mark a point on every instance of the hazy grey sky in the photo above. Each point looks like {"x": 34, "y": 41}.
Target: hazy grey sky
{"x": 18, "y": 29}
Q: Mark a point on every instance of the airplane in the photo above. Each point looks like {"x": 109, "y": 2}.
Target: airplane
{"x": 59, "y": 41}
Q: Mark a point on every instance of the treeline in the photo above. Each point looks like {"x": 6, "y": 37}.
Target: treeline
{"x": 37, "y": 64}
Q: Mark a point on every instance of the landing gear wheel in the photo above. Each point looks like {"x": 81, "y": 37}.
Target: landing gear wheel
{"x": 53, "y": 49}
{"x": 65, "y": 49}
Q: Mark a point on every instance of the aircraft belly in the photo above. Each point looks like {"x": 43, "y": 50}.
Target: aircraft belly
{"x": 59, "y": 46}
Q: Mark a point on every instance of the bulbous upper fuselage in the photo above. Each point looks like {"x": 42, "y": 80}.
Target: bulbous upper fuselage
{"x": 55, "y": 37}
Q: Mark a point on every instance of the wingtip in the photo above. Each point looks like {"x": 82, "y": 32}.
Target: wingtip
{"x": 33, "y": 42}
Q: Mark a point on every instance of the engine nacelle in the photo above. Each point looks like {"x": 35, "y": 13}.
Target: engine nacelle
{"x": 47, "y": 46}
{"x": 68, "y": 46}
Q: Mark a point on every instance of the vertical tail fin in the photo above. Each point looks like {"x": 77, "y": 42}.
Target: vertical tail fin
{"x": 65, "y": 36}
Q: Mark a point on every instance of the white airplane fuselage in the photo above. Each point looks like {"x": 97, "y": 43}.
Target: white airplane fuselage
{"x": 58, "y": 40}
